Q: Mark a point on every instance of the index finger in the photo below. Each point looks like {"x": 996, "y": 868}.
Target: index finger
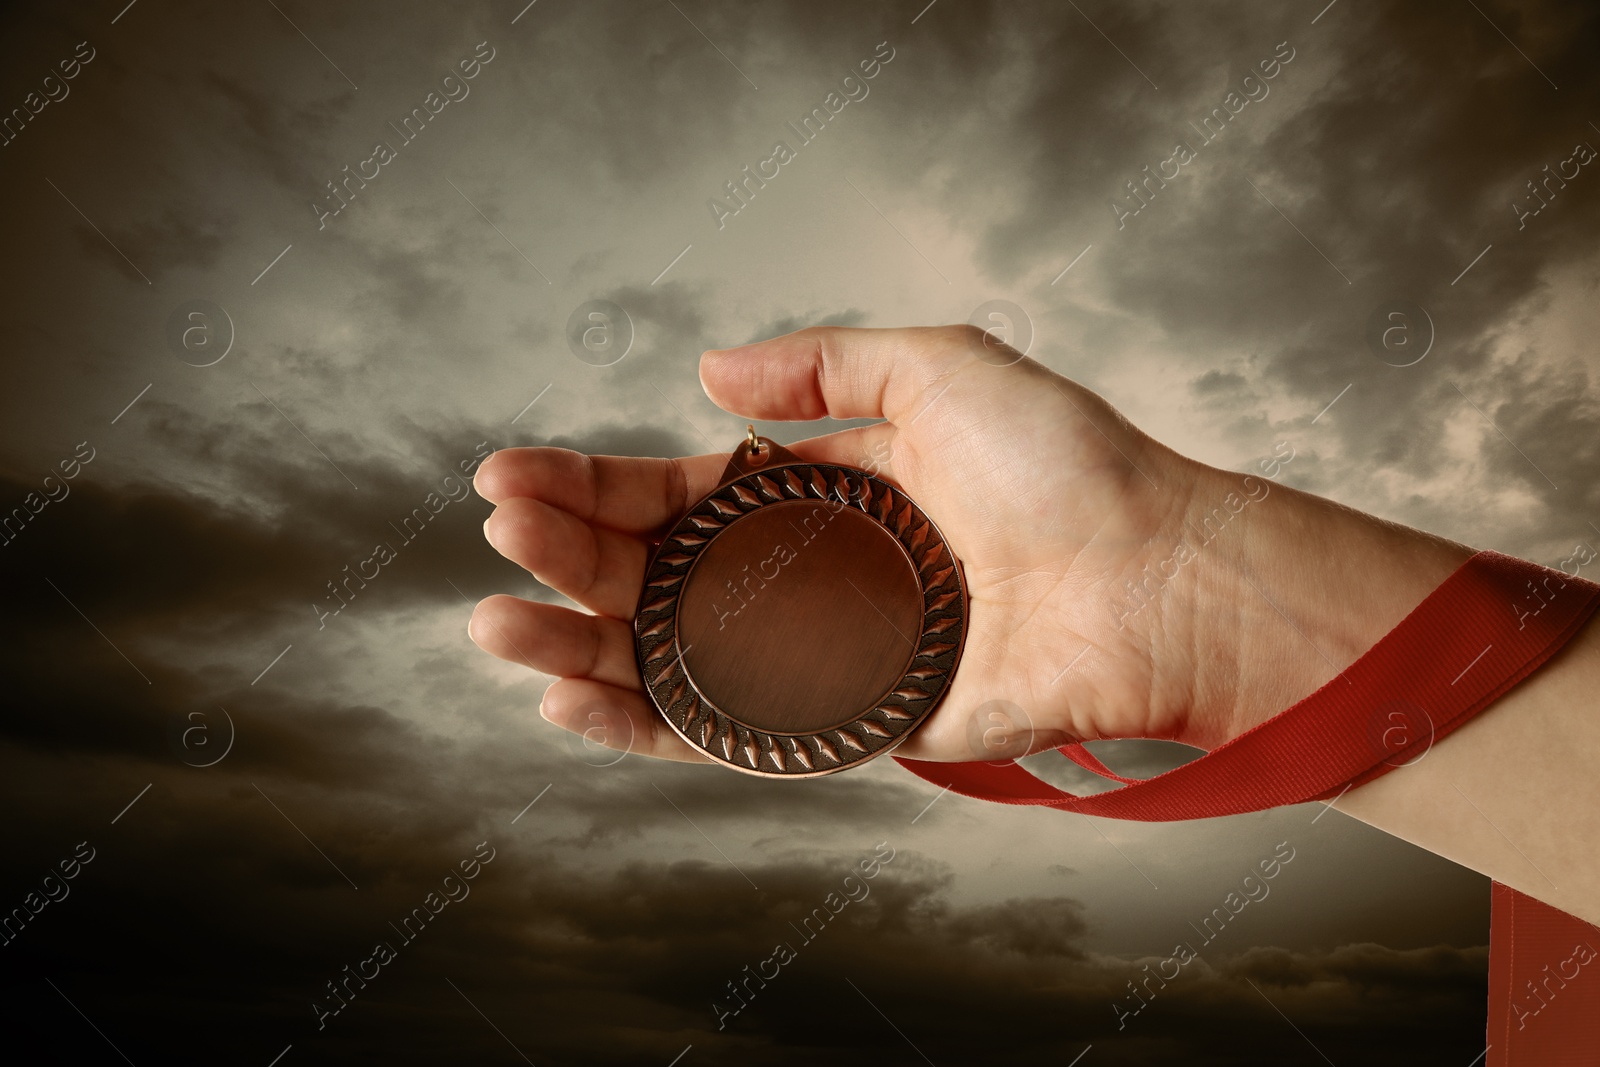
{"x": 620, "y": 492}
{"x": 637, "y": 494}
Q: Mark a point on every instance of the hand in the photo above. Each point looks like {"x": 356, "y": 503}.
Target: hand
{"x": 1057, "y": 507}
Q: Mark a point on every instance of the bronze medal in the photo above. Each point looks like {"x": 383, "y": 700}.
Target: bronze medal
{"x": 800, "y": 619}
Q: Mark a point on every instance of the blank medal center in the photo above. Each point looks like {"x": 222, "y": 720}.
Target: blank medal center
{"x": 799, "y": 618}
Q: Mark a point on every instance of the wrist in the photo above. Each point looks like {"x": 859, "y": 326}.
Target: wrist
{"x": 1292, "y": 589}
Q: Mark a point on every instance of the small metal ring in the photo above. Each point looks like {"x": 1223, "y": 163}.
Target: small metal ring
{"x": 750, "y": 436}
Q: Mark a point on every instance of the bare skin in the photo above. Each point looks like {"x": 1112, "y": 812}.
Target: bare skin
{"x": 1055, "y": 504}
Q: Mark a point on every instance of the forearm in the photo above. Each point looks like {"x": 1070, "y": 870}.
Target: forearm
{"x": 1513, "y": 794}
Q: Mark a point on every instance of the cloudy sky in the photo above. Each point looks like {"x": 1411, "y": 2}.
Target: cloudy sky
{"x": 167, "y": 605}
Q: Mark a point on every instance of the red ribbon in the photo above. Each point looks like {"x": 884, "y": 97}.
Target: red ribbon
{"x": 1486, "y": 628}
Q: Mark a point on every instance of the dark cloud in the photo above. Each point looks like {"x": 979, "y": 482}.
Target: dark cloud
{"x": 174, "y": 557}
{"x": 579, "y": 967}
{"x": 1396, "y": 142}
{"x": 1218, "y": 382}
{"x": 1370, "y": 968}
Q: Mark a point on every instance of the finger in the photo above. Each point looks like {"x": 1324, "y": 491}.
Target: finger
{"x": 599, "y": 568}
{"x": 840, "y": 372}
{"x": 615, "y": 718}
{"x": 638, "y": 495}
{"x": 620, "y": 492}
{"x": 556, "y": 640}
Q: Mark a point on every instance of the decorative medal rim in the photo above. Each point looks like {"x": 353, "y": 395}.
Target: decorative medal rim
{"x": 876, "y": 729}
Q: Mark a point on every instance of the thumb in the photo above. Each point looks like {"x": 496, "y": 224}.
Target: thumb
{"x": 839, "y": 372}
